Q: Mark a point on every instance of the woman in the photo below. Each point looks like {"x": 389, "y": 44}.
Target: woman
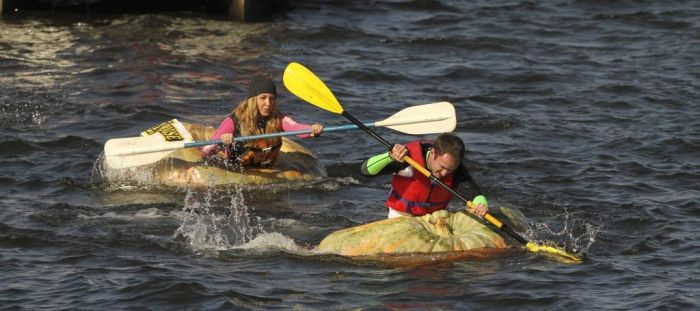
{"x": 258, "y": 114}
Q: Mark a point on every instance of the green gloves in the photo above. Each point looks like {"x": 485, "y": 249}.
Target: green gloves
{"x": 377, "y": 163}
{"x": 480, "y": 199}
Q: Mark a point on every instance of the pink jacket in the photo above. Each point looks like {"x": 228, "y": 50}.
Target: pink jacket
{"x": 227, "y": 126}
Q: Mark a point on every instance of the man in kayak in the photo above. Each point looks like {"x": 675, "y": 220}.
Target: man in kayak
{"x": 257, "y": 114}
{"x": 413, "y": 194}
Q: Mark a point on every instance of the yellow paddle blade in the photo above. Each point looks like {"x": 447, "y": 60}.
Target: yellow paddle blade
{"x": 557, "y": 253}
{"x": 306, "y": 85}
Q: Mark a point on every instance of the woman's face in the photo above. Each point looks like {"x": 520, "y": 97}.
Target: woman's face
{"x": 265, "y": 103}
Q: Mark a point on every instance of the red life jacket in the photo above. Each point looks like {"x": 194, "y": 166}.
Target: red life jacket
{"x": 416, "y": 195}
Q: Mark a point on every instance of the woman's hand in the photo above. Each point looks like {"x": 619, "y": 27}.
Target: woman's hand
{"x": 398, "y": 152}
{"x": 227, "y": 138}
{"x": 316, "y": 130}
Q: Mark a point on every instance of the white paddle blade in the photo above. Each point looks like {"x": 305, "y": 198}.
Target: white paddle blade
{"x": 136, "y": 151}
{"x": 140, "y": 145}
{"x": 423, "y": 119}
{"x": 128, "y": 161}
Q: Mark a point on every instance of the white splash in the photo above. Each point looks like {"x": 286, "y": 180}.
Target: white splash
{"x": 216, "y": 219}
{"x": 577, "y": 235}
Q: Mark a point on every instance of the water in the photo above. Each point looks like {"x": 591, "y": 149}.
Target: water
{"x": 584, "y": 114}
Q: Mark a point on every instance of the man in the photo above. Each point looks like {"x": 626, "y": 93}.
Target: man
{"x": 412, "y": 193}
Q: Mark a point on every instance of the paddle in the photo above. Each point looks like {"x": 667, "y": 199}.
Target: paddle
{"x": 306, "y": 85}
{"x": 422, "y": 119}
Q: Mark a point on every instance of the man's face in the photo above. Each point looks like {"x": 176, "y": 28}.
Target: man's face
{"x": 443, "y": 164}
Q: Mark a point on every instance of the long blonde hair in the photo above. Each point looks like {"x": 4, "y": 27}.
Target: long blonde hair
{"x": 247, "y": 114}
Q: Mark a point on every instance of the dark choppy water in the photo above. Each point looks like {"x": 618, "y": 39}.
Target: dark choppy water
{"x": 585, "y": 114}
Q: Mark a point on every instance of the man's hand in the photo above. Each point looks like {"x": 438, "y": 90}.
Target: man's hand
{"x": 479, "y": 206}
{"x": 479, "y": 210}
{"x": 398, "y": 152}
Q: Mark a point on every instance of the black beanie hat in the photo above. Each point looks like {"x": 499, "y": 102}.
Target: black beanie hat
{"x": 261, "y": 84}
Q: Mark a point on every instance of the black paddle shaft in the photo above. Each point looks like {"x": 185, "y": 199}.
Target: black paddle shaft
{"x": 366, "y": 129}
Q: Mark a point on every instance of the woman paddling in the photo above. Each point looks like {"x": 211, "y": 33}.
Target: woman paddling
{"x": 257, "y": 114}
